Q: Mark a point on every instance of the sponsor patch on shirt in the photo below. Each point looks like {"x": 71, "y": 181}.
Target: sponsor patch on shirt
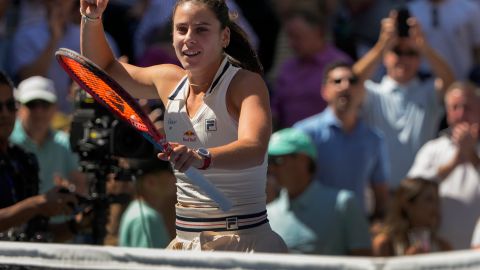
{"x": 210, "y": 124}
{"x": 189, "y": 136}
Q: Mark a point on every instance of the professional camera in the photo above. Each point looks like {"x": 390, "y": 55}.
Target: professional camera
{"x": 97, "y": 135}
{"x": 101, "y": 139}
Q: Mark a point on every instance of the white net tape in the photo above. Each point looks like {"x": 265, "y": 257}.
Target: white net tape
{"x": 34, "y": 256}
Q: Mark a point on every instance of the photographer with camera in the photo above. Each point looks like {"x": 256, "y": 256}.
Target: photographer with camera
{"x": 405, "y": 107}
{"x": 23, "y": 212}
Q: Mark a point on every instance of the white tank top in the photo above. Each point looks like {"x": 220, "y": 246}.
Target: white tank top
{"x": 213, "y": 126}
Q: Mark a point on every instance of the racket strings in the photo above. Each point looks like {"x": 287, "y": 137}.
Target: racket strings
{"x": 106, "y": 93}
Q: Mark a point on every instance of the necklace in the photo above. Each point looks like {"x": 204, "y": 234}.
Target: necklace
{"x": 198, "y": 85}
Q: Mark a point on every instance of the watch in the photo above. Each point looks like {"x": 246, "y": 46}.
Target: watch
{"x": 206, "y": 156}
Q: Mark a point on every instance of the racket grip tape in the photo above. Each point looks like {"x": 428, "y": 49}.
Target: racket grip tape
{"x": 198, "y": 179}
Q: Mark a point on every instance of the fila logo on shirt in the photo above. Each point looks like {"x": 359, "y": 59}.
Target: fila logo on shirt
{"x": 211, "y": 124}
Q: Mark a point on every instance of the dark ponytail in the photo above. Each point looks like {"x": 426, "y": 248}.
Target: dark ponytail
{"x": 239, "y": 49}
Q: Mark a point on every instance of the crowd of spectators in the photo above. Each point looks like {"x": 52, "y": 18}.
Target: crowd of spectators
{"x": 375, "y": 149}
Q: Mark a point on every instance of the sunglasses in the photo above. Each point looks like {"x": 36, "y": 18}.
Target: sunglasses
{"x": 351, "y": 80}
{"x": 38, "y": 103}
{"x": 9, "y": 104}
{"x": 408, "y": 52}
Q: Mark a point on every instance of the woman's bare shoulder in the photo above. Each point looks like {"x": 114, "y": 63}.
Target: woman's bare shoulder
{"x": 166, "y": 77}
{"x": 247, "y": 80}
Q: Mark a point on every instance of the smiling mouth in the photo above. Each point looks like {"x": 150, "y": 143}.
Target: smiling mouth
{"x": 191, "y": 53}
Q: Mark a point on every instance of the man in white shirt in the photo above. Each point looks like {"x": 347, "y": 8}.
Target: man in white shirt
{"x": 453, "y": 159}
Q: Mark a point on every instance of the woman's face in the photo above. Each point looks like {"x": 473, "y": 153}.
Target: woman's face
{"x": 424, "y": 211}
{"x": 197, "y": 37}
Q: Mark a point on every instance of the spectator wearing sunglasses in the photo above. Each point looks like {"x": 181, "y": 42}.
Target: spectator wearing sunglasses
{"x": 311, "y": 217}
{"x": 405, "y": 107}
{"x": 351, "y": 155}
{"x": 38, "y": 105}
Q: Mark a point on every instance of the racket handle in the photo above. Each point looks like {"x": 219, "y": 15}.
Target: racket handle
{"x": 199, "y": 180}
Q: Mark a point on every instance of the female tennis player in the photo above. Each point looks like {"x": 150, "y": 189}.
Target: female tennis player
{"x": 217, "y": 120}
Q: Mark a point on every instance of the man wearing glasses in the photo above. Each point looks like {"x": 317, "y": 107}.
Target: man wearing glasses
{"x": 38, "y": 105}
{"x": 406, "y": 108}
{"x": 351, "y": 155}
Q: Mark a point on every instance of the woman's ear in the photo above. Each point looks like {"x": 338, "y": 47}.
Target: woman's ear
{"x": 225, "y": 37}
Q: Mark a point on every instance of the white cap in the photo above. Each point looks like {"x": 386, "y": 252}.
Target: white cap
{"x": 36, "y": 87}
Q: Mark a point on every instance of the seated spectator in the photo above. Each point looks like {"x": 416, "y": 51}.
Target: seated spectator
{"x": 144, "y": 222}
{"x": 38, "y": 105}
{"x": 23, "y": 212}
{"x": 310, "y": 217}
{"x": 296, "y": 94}
{"x": 412, "y": 222}
{"x": 454, "y": 159}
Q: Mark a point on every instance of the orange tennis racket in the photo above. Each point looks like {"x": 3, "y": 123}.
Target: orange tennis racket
{"x": 117, "y": 100}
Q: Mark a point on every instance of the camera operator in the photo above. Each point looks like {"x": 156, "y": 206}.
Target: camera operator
{"x": 20, "y": 204}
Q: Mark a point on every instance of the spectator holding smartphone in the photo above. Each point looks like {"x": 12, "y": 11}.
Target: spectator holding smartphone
{"x": 405, "y": 107}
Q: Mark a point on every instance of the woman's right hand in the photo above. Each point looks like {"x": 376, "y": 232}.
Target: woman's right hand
{"x": 93, "y": 8}
{"x": 182, "y": 157}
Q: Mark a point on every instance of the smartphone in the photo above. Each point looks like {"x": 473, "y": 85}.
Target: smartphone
{"x": 402, "y": 26}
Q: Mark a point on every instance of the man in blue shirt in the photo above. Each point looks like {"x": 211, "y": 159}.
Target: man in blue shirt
{"x": 351, "y": 155}
{"x": 310, "y": 217}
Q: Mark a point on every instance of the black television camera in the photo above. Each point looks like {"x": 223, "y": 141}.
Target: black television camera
{"x": 100, "y": 139}
{"x": 96, "y": 134}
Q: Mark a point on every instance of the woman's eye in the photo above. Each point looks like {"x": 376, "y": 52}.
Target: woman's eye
{"x": 182, "y": 30}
